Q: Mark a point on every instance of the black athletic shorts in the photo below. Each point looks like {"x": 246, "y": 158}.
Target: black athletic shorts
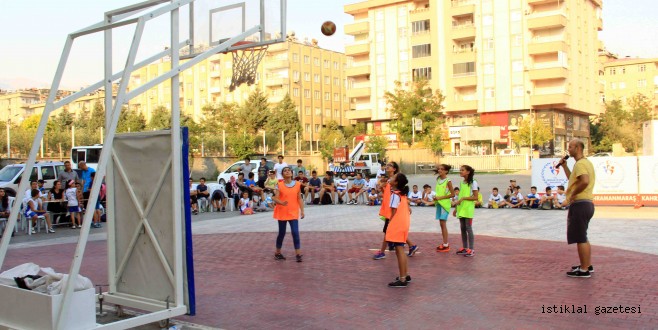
{"x": 580, "y": 213}
{"x": 385, "y": 225}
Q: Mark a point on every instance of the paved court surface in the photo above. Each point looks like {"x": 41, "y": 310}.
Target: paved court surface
{"x": 518, "y": 271}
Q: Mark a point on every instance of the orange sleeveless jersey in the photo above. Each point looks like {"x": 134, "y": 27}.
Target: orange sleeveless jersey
{"x": 385, "y": 209}
{"x": 398, "y": 227}
{"x": 291, "y": 195}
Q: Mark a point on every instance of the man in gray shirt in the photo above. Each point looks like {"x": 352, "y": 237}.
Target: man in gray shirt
{"x": 68, "y": 174}
{"x": 247, "y": 167}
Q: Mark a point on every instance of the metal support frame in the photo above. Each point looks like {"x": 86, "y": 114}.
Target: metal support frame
{"x": 114, "y": 19}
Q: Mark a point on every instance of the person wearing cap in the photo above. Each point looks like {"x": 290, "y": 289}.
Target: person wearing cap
{"x": 328, "y": 186}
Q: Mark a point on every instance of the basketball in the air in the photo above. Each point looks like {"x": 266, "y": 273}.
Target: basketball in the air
{"x": 328, "y": 28}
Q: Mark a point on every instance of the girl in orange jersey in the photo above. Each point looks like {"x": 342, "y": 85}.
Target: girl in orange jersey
{"x": 398, "y": 226}
{"x": 288, "y": 204}
{"x": 392, "y": 169}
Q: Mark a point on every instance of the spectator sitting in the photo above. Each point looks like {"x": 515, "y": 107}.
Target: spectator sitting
{"x": 5, "y": 210}
{"x": 271, "y": 182}
{"x": 328, "y": 186}
{"x": 373, "y": 197}
{"x": 510, "y": 190}
{"x": 314, "y": 186}
{"x": 299, "y": 167}
{"x": 233, "y": 190}
{"x": 496, "y": 200}
{"x": 242, "y": 183}
{"x": 341, "y": 187}
{"x": 516, "y": 199}
{"x": 40, "y": 184}
{"x": 456, "y": 198}
{"x": 266, "y": 205}
{"x": 428, "y": 196}
{"x": 547, "y": 200}
{"x": 202, "y": 192}
{"x": 357, "y": 189}
{"x": 245, "y": 204}
{"x": 219, "y": 200}
{"x": 303, "y": 180}
{"x": 193, "y": 198}
{"x": 35, "y": 209}
{"x": 28, "y": 192}
{"x": 369, "y": 184}
{"x": 561, "y": 199}
{"x": 532, "y": 200}
{"x": 479, "y": 203}
{"x": 415, "y": 196}
{"x": 255, "y": 189}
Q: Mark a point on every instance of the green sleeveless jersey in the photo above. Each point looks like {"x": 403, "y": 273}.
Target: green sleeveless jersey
{"x": 466, "y": 209}
{"x": 442, "y": 190}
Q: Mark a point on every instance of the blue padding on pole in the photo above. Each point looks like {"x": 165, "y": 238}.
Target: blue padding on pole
{"x": 189, "y": 248}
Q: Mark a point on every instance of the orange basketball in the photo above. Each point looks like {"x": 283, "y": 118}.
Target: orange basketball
{"x": 328, "y": 28}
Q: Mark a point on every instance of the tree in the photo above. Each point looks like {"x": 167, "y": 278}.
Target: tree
{"x": 252, "y": 116}
{"x": 64, "y": 120}
{"x": 619, "y": 125}
{"x": 377, "y": 144}
{"x": 131, "y": 121}
{"x": 284, "y": 119}
{"x": 534, "y": 130}
{"x": 434, "y": 140}
{"x": 97, "y": 118}
{"x": 241, "y": 145}
{"x": 160, "y": 119}
{"x": 82, "y": 119}
{"x": 331, "y": 137}
{"x": 420, "y": 102}
{"x": 353, "y": 131}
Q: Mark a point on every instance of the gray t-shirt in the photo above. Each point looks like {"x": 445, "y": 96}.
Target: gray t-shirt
{"x": 68, "y": 176}
{"x": 247, "y": 168}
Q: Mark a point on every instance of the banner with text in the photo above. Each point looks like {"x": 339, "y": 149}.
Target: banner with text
{"x": 546, "y": 174}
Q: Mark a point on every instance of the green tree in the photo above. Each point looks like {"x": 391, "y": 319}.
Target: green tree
{"x": 619, "y": 125}
{"x": 131, "y": 121}
{"x": 284, "y": 118}
{"x": 331, "y": 137}
{"x": 352, "y": 131}
{"x": 82, "y": 118}
{"x": 97, "y": 118}
{"x": 377, "y": 144}
{"x": 534, "y": 130}
{"x": 420, "y": 102}
{"x": 434, "y": 140}
{"x": 160, "y": 119}
{"x": 252, "y": 116}
{"x": 241, "y": 144}
{"x": 64, "y": 119}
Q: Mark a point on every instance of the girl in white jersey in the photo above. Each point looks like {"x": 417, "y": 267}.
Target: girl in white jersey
{"x": 72, "y": 204}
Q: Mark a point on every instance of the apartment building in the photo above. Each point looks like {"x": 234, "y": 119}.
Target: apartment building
{"x": 314, "y": 78}
{"x": 495, "y": 61}
{"x": 625, "y": 77}
{"x": 16, "y": 105}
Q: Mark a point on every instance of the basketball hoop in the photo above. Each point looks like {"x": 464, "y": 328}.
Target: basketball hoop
{"x": 245, "y": 64}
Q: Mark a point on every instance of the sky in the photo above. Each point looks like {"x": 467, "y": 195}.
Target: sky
{"x": 32, "y": 35}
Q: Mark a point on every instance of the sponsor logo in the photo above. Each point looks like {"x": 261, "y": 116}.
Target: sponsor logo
{"x": 610, "y": 175}
{"x": 551, "y": 175}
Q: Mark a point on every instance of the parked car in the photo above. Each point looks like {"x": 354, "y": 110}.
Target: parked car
{"x": 602, "y": 154}
{"x": 234, "y": 169}
{"x": 10, "y": 175}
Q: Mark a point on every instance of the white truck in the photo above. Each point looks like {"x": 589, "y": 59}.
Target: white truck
{"x": 357, "y": 161}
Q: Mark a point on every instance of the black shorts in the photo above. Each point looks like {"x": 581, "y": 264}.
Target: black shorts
{"x": 218, "y": 195}
{"x": 580, "y": 213}
{"x": 385, "y": 225}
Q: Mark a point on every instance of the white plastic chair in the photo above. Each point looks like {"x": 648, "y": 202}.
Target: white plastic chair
{"x": 27, "y": 223}
{"x": 3, "y": 221}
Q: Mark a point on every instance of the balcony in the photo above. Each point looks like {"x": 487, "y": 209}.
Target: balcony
{"x": 277, "y": 64}
{"x": 357, "y": 28}
{"x": 359, "y": 92}
{"x": 464, "y": 105}
{"x": 463, "y": 55}
{"x": 539, "y": 46}
{"x": 358, "y": 114}
{"x": 276, "y": 81}
{"x": 356, "y": 71}
{"x": 462, "y": 7}
{"x": 357, "y": 49}
{"x": 215, "y": 74}
{"x": 463, "y": 31}
{"x": 549, "y": 99}
{"x": 464, "y": 80}
{"x": 547, "y": 21}
{"x": 419, "y": 14}
{"x": 215, "y": 90}
{"x": 422, "y": 37}
{"x": 548, "y": 73}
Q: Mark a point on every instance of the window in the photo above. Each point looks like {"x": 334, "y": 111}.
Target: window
{"x": 307, "y": 76}
{"x": 613, "y": 85}
{"x": 515, "y": 15}
{"x": 316, "y": 78}
{"x": 517, "y": 90}
{"x": 421, "y": 51}
{"x": 335, "y": 65}
{"x": 327, "y": 113}
{"x": 295, "y": 57}
{"x": 517, "y": 40}
{"x": 307, "y": 59}
{"x": 336, "y": 81}
{"x": 420, "y": 27}
{"x": 307, "y": 93}
{"x": 295, "y": 92}
{"x": 307, "y": 111}
{"x": 467, "y": 68}
{"x": 517, "y": 66}
{"x": 642, "y": 83}
{"x": 326, "y": 64}
{"x": 307, "y": 128}
{"x": 336, "y": 97}
{"x": 327, "y": 80}
{"x": 327, "y": 96}
{"x": 189, "y": 101}
{"x": 489, "y": 93}
{"x": 295, "y": 75}
{"x": 48, "y": 173}
{"x": 336, "y": 113}
{"x": 623, "y": 70}
{"x": 421, "y": 74}
{"x": 317, "y": 128}
{"x": 316, "y": 61}
{"x": 318, "y": 112}
{"x": 316, "y": 95}
{"x": 642, "y": 68}
{"x": 622, "y": 85}
{"x": 487, "y": 20}
{"x": 489, "y": 43}
{"x": 613, "y": 71}
{"x": 488, "y": 68}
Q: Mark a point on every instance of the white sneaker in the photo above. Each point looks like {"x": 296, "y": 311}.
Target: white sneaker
{"x": 50, "y": 230}
{"x": 33, "y": 231}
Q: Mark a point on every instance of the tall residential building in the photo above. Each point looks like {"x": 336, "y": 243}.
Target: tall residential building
{"x": 16, "y": 105}
{"x": 314, "y": 78}
{"x": 495, "y": 61}
{"x": 623, "y": 78}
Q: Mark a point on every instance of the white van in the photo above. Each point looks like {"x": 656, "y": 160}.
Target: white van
{"x": 234, "y": 169}
{"x": 10, "y": 175}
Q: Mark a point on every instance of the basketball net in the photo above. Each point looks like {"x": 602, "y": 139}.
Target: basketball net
{"x": 245, "y": 65}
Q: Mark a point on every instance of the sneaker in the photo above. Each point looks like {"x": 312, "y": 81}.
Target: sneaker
{"x": 223, "y": 209}
{"x": 579, "y": 273}
{"x": 412, "y": 250}
{"x": 469, "y": 253}
{"x": 73, "y": 227}
{"x": 299, "y": 257}
{"x": 33, "y": 231}
{"x": 50, "y": 230}
{"x": 442, "y": 248}
{"x": 397, "y": 284}
{"x": 340, "y": 201}
{"x": 589, "y": 269}
{"x": 349, "y": 202}
{"x": 379, "y": 255}
{"x": 461, "y": 251}
{"x": 279, "y": 256}
{"x": 408, "y": 278}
